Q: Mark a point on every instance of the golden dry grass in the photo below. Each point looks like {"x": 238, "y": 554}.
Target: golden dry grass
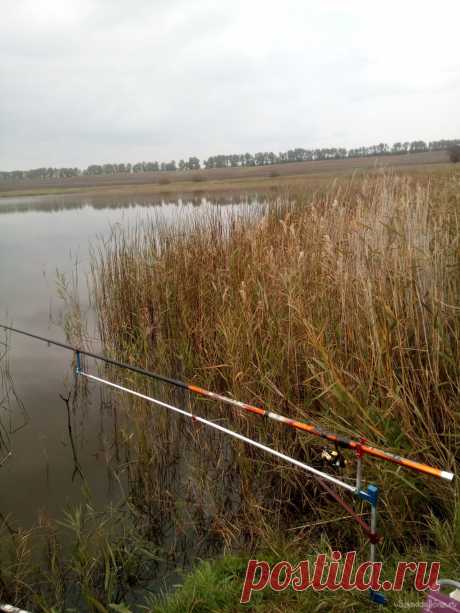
{"x": 339, "y": 306}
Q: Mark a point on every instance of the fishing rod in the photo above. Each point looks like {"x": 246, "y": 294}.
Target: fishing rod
{"x": 360, "y": 447}
{"x": 319, "y": 475}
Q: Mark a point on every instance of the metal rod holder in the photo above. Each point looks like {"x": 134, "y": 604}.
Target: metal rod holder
{"x": 370, "y": 495}
{"x": 359, "y": 473}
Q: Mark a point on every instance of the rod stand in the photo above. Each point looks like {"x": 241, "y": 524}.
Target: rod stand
{"x": 371, "y": 495}
{"x": 359, "y": 463}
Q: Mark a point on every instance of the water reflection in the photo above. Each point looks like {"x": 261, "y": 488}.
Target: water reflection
{"x": 116, "y": 448}
{"x": 58, "y": 436}
{"x": 52, "y": 204}
{"x": 55, "y": 444}
{"x": 13, "y": 414}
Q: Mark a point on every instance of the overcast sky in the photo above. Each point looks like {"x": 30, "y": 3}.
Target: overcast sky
{"x": 94, "y": 81}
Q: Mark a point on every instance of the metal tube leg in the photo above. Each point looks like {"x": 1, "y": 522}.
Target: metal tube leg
{"x": 372, "y": 497}
{"x": 359, "y": 473}
{"x": 373, "y": 530}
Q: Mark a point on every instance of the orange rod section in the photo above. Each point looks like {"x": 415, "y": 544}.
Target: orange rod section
{"x": 333, "y": 438}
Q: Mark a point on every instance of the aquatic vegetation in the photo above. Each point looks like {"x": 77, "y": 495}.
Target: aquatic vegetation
{"x": 339, "y": 306}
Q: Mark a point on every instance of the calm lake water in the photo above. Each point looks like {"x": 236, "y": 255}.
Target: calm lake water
{"x": 39, "y": 236}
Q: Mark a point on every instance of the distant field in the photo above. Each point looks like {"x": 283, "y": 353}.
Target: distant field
{"x": 219, "y": 178}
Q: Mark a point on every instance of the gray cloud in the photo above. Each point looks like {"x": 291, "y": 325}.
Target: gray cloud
{"x": 85, "y": 81}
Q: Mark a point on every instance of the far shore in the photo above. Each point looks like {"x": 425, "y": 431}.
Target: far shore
{"x": 229, "y": 179}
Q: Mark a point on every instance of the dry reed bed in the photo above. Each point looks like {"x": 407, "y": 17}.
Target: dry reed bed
{"x": 340, "y": 306}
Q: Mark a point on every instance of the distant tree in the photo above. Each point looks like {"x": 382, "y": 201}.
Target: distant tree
{"x": 439, "y": 145}
{"x": 418, "y": 145}
{"x": 454, "y": 153}
{"x": 382, "y": 149}
{"x": 259, "y": 158}
{"x": 108, "y": 169}
{"x": 193, "y": 163}
{"x": 94, "y": 169}
{"x": 220, "y": 161}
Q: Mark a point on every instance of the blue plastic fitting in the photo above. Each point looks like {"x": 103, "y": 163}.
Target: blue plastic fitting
{"x": 370, "y": 495}
{"x": 378, "y": 597}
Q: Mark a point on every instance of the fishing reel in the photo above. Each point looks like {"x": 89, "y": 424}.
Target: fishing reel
{"x": 333, "y": 458}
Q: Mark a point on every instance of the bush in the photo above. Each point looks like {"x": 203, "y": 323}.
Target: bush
{"x": 199, "y": 178}
{"x": 164, "y": 181}
{"x": 454, "y": 154}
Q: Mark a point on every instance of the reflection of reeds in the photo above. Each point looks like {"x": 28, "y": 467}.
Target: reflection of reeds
{"x": 340, "y": 306}
{"x": 13, "y": 414}
{"x": 52, "y": 204}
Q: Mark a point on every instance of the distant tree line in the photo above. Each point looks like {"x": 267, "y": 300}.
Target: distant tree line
{"x": 262, "y": 158}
